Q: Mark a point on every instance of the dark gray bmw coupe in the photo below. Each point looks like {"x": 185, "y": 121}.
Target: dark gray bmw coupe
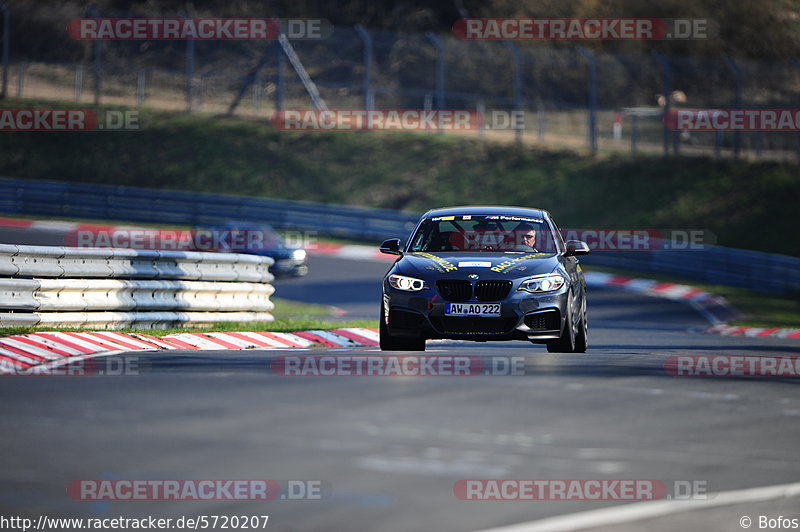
{"x": 485, "y": 273}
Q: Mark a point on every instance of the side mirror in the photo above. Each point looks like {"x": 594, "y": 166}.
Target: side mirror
{"x": 576, "y": 247}
{"x": 391, "y": 247}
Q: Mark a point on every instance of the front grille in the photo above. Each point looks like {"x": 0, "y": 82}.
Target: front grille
{"x": 402, "y": 319}
{"x": 473, "y": 325}
{"x": 543, "y": 321}
{"x": 492, "y": 290}
{"x": 455, "y": 290}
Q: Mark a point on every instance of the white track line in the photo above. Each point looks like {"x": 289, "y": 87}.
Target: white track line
{"x": 629, "y": 513}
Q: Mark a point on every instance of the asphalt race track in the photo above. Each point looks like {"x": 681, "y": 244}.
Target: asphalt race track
{"x": 392, "y": 448}
{"x": 352, "y": 286}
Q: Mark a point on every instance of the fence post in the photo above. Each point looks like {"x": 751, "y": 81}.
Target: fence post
{"x": 481, "y": 109}
{"x": 78, "y": 81}
{"x": 437, "y": 43}
{"x": 427, "y": 105}
{"x": 366, "y": 38}
{"x": 278, "y": 76}
{"x": 737, "y": 76}
{"x": 201, "y": 92}
{"x": 540, "y": 118}
{"x": 518, "y": 128}
{"x": 796, "y": 64}
{"x": 98, "y": 62}
{"x": 592, "y": 98}
{"x": 140, "y": 86}
{"x": 189, "y": 67}
{"x": 98, "y": 70}
{"x": 257, "y": 95}
{"x": 20, "y": 79}
{"x": 667, "y": 91}
{"x": 6, "y": 43}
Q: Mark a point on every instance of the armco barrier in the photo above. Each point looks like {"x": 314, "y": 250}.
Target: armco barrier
{"x": 109, "y": 287}
{"x": 105, "y": 202}
{"x": 764, "y": 272}
{"x": 754, "y": 270}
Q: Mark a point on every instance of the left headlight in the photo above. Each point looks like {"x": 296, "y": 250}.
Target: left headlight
{"x": 543, "y": 283}
{"x": 299, "y": 254}
{"x": 409, "y": 284}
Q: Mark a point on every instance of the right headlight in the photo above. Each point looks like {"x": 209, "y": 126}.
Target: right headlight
{"x": 548, "y": 282}
{"x": 409, "y": 284}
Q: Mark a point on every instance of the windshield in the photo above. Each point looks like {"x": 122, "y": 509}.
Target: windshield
{"x": 483, "y": 233}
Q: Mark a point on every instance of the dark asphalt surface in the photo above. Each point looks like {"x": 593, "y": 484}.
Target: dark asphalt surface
{"x": 351, "y": 286}
{"x": 392, "y": 448}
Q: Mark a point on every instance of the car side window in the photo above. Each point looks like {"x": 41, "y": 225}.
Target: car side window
{"x": 422, "y": 238}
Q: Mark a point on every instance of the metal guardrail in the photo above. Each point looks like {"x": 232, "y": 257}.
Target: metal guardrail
{"x": 754, "y": 270}
{"x": 35, "y": 197}
{"x": 107, "y": 287}
{"x": 114, "y": 263}
{"x": 764, "y": 272}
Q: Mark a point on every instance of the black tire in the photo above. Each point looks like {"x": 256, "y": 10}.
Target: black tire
{"x": 566, "y": 343}
{"x": 391, "y": 343}
{"x": 582, "y": 338}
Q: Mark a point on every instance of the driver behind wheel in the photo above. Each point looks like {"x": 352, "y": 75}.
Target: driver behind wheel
{"x": 525, "y": 237}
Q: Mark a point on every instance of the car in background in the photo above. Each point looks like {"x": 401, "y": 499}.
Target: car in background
{"x": 485, "y": 273}
{"x": 255, "y": 239}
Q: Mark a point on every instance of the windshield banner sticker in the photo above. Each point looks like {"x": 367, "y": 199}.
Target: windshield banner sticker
{"x": 444, "y": 265}
{"x": 508, "y": 265}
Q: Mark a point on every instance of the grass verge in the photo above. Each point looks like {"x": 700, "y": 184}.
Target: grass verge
{"x": 289, "y": 316}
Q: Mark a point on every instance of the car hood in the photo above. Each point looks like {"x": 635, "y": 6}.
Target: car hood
{"x": 486, "y": 264}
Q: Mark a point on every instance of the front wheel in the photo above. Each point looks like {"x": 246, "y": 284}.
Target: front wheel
{"x": 574, "y": 339}
{"x": 582, "y": 338}
{"x": 391, "y": 343}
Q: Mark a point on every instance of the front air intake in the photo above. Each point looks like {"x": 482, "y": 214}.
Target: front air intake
{"x": 455, "y": 290}
{"x": 492, "y": 290}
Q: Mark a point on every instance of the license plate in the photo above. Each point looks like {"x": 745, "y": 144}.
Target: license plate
{"x": 472, "y": 309}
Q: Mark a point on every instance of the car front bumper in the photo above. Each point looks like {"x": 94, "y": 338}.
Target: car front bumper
{"x": 289, "y": 267}
{"x": 523, "y": 316}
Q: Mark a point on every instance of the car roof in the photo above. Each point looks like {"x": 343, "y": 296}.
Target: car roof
{"x": 488, "y": 209}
